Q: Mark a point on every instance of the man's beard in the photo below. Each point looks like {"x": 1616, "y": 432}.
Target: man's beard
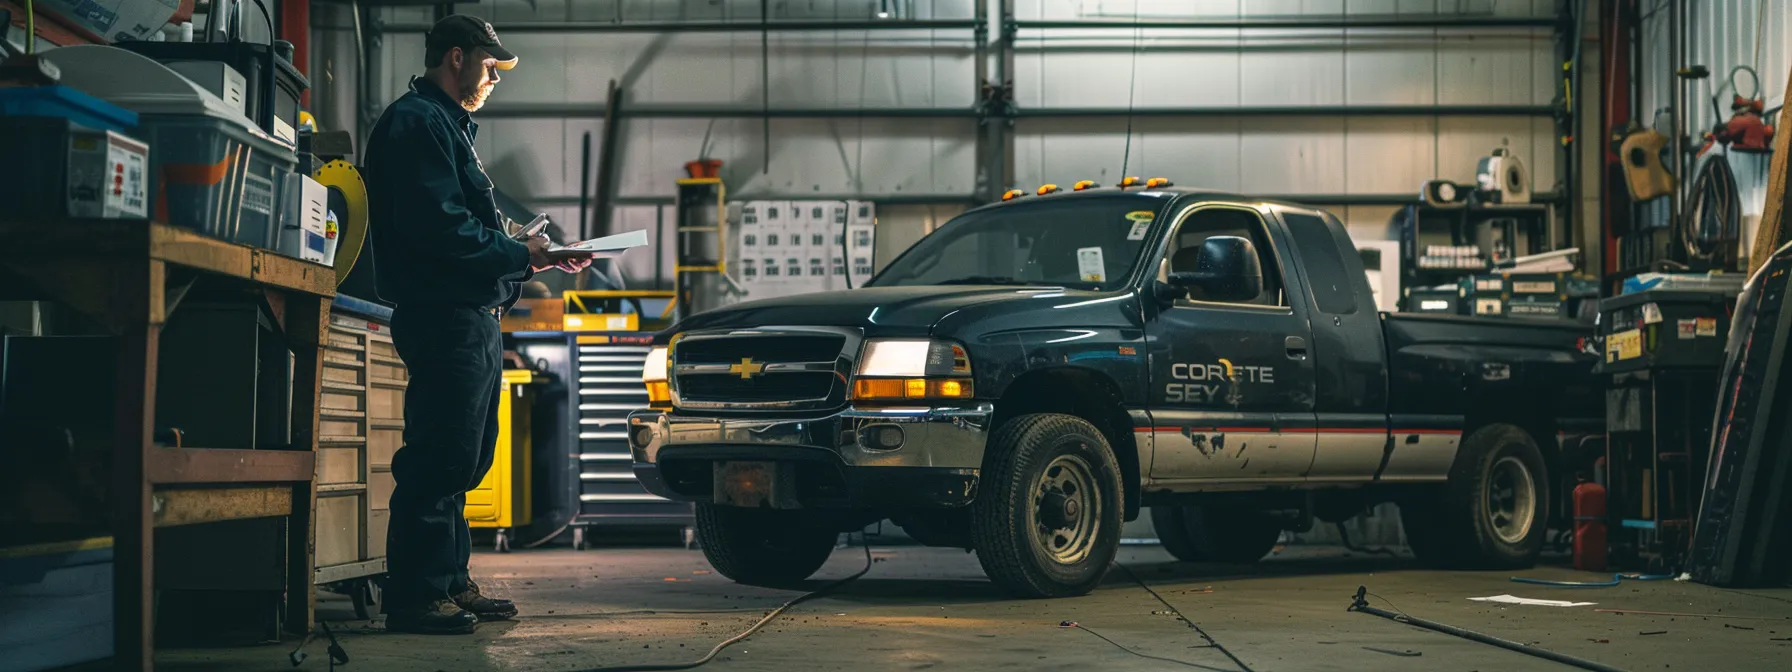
{"x": 472, "y": 95}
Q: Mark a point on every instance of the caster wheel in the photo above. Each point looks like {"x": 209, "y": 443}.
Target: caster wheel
{"x": 501, "y": 540}
{"x": 365, "y": 595}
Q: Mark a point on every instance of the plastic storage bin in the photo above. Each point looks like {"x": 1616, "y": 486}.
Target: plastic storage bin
{"x": 212, "y": 170}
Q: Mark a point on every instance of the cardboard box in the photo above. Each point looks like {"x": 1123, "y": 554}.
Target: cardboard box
{"x": 111, "y": 20}
{"x": 534, "y": 315}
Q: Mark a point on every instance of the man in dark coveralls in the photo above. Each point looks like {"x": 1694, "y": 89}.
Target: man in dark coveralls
{"x": 448, "y": 262}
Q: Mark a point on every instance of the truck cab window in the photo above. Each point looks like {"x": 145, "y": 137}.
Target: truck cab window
{"x": 1324, "y": 263}
{"x": 1246, "y": 224}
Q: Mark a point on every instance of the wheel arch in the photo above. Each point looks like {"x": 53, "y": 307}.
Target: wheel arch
{"x": 1085, "y": 393}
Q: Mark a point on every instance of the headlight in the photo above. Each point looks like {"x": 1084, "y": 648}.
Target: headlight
{"x": 913, "y": 369}
{"x": 653, "y": 374}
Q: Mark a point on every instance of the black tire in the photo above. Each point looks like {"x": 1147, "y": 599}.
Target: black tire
{"x": 762, "y": 547}
{"x": 1171, "y": 524}
{"x": 1498, "y": 470}
{"x": 1207, "y": 534}
{"x": 1025, "y": 454}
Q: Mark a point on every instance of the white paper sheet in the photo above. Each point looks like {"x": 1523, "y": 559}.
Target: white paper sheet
{"x": 1508, "y": 599}
{"x": 608, "y": 247}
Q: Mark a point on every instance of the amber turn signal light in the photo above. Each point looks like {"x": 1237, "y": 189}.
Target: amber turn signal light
{"x": 912, "y": 388}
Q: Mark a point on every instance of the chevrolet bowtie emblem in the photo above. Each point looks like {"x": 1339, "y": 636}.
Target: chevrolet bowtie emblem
{"x": 747, "y": 368}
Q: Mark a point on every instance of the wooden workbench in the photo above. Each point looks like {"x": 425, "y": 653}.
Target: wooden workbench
{"x": 129, "y": 276}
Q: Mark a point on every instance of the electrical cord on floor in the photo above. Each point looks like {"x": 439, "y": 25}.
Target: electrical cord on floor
{"x": 1344, "y": 535}
{"x": 551, "y": 535}
{"x": 1178, "y": 612}
{"x": 731, "y": 641}
{"x": 1616, "y": 579}
{"x": 1078, "y": 626}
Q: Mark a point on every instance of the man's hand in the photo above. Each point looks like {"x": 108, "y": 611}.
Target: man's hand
{"x": 541, "y": 258}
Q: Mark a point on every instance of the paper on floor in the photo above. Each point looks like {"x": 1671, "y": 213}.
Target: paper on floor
{"x": 1508, "y": 599}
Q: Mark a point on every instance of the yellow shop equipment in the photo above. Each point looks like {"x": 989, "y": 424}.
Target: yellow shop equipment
{"x": 502, "y": 500}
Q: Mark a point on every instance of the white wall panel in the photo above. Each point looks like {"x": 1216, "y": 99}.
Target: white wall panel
{"x": 1389, "y": 155}
{"x": 1292, "y": 156}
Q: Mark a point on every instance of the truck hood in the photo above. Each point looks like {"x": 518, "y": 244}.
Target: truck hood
{"x": 880, "y": 310}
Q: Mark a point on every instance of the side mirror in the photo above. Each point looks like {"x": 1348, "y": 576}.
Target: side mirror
{"x": 1226, "y": 269}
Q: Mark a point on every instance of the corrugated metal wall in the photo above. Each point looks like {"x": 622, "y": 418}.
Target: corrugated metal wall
{"x": 537, "y": 159}
{"x": 1723, "y": 34}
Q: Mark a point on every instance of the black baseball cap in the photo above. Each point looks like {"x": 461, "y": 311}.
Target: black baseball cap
{"x": 468, "y": 33}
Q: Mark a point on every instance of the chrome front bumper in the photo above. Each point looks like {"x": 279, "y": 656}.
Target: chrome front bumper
{"x": 936, "y": 437}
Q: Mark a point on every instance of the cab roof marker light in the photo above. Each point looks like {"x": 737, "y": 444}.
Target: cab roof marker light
{"x": 1012, "y": 194}
{"x": 1156, "y": 182}
{"x": 1129, "y": 182}
{"x": 1048, "y": 189}
{"x": 1085, "y": 184}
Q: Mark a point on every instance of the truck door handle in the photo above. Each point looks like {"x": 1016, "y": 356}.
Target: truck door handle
{"x": 1297, "y": 347}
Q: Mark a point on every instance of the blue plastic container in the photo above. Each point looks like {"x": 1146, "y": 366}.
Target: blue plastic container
{"x": 67, "y": 103}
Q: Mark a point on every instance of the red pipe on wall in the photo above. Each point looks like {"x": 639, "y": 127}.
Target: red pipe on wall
{"x": 295, "y": 27}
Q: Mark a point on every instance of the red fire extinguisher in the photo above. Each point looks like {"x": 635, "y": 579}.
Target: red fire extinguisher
{"x": 1589, "y": 527}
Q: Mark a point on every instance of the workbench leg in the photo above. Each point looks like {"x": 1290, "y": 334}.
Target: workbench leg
{"x": 137, "y": 322}
{"x": 307, "y": 319}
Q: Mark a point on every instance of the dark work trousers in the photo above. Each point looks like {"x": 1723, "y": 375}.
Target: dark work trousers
{"x": 455, "y": 359}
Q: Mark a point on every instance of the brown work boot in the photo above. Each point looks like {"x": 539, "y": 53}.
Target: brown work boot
{"x": 441, "y": 617}
{"x": 486, "y": 608}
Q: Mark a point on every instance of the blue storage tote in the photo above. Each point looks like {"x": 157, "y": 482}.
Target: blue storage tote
{"x": 65, "y": 103}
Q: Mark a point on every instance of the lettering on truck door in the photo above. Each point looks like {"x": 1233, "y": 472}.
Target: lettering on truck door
{"x": 1230, "y": 380}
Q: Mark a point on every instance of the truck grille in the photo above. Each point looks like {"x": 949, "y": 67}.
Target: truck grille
{"x": 765, "y": 369}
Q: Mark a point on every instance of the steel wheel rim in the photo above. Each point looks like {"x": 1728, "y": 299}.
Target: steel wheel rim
{"x": 1511, "y": 500}
{"x": 1065, "y": 513}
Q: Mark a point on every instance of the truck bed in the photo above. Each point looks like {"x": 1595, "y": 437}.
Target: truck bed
{"x": 1456, "y": 365}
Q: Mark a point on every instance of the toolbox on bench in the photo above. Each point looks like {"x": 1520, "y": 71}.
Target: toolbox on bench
{"x": 1659, "y": 329}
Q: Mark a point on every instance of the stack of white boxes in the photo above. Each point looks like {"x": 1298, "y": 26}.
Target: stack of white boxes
{"x": 795, "y": 247}
{"x": 861, "y": 225}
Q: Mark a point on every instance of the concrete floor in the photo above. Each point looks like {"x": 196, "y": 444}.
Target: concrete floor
{"x": 922, "y": 608}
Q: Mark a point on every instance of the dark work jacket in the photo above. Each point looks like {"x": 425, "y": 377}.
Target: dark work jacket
{"x": 437, "y": 237}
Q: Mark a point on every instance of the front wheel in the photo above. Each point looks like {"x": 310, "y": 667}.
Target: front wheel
{"x": 763, "y": 547}
{"x": 1047, "y": 520}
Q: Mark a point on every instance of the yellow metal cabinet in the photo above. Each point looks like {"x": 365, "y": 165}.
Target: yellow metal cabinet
{"x": 502, "y": 500}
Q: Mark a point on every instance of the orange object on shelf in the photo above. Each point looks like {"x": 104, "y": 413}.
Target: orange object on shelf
{"x": 703, "y": 168}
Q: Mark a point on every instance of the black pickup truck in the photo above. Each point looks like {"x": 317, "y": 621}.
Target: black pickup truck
{"x": 1035, "y": 372}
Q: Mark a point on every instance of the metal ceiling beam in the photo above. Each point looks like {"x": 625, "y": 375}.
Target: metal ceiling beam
{"x": 882, "y": 199}
{"x": 1302, "y": 23}
{"x": 1292, "y": 111}
{"x": 1332, "y": 200}
{"x": 587, "y": 111}
{"x": 752, "y": 26}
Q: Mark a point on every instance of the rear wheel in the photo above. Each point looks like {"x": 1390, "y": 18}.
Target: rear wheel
{"x": 1047, "y": 520}
{"x": 1208, "y": 534}
{"x": 1491, "y": 514}
{"x": 763, "y": 547}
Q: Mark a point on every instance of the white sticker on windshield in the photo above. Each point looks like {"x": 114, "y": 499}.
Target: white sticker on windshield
{"x": 1090, "y": 265}
{"x": 1141, "y": 222}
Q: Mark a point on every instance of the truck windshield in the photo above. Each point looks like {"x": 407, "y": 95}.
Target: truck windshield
{"x": 1084, "y": 243}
